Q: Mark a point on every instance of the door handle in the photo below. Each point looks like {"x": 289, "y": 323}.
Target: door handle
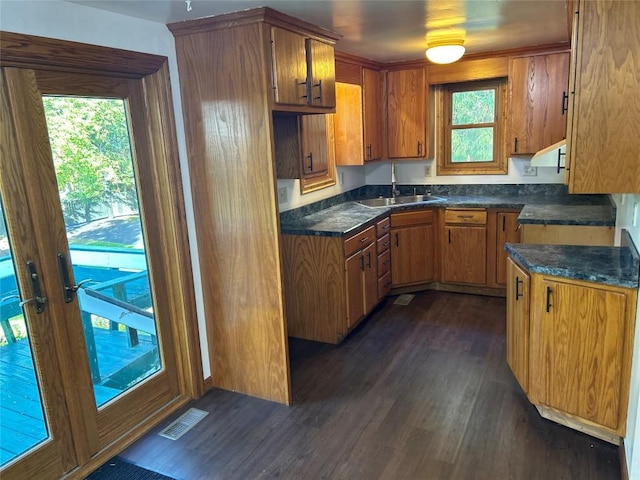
{"x": 69, "y": 289}
{"x": 39, "y": 299}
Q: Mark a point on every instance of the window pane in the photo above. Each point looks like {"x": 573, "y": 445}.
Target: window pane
{"x": 474, "y": 107}
{"x": 472, "y": 145}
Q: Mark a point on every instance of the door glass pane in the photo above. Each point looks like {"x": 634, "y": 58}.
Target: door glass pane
{"x": 94, "y": 167}
{"x": 22, "y": 423}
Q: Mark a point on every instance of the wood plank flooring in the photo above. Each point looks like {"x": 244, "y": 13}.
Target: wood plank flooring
{"x": 416, "y": 392}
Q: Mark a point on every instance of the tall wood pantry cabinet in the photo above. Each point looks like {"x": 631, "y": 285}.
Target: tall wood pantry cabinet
{"x": 603, "y": 123}
{"x": 231, "y": 80}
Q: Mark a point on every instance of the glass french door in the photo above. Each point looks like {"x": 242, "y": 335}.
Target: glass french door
{"x": 79, "y": 215}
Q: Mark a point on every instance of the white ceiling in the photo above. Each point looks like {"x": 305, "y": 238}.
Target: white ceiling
{"x": 387, "y": 31}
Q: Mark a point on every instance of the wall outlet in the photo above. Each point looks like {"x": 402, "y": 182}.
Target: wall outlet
{"x": 636, "y": 214}
{"x": 282, "y": 195}
{"x": 427, "y": 171}
{"x": 530, "y": 171}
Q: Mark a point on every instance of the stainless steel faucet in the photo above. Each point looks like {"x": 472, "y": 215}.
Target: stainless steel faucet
{"x": 394, "y": 191}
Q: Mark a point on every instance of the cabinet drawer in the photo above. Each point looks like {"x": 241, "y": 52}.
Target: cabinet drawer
{"x": 383, "y": 227}
{"x": 384, "y": 285}
{"x": 384, "y": 263}
{"x": 384, "y": 243}
{"x": 359, "y": 240}
{"x": 468, "y": 217}
{"x": 414, "y": 217}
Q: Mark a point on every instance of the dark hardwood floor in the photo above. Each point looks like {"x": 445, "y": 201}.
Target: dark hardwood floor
{"x": 416, "y": 392}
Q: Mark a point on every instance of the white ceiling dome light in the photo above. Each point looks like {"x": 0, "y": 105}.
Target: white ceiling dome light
{"x": 446, "y": 51}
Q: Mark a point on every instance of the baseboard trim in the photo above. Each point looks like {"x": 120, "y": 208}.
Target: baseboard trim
{"x": 208, "y": 383}
{"x": 624, "y": 466}
{"x": 577, "y": 423}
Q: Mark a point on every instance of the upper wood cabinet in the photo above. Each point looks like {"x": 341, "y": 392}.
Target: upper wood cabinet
{"x": 603, "y": 127}
{"x": 358, "y": 118}
{"x": 372, "y": 113}
{"x": 303, "y": 70}
{"x": 407, "y": 98}
{"x": 537, "y": 97}
{"x": 304, "y": 149}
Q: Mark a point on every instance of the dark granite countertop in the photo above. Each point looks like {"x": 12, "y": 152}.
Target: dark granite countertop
{"x": 557, "y": 214}
{"x": 343, "y": 219}
{"x": 617, "y": 266}
{"x": 350, "y": 216}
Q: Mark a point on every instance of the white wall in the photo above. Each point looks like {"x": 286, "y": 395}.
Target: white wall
{"x": 629, "y": 218}
{"x": 348, "y": 178}
{"x": 410, "y": 172}
{"x": 68, "y": 21}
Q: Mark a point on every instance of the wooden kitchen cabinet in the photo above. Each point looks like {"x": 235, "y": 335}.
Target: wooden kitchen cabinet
{"x": 331, "y": 283}
{"x": 407, "y": 113}
{"x": 304, "y": 149}
{"x": 358, "y": 119}
{"x": 603, "y": 124}
{"x": 303, "y": 70}
{"x": 538, "y": 86}
{"x": 569, "y": 345}
{"x": 518, "y": 301}
{"x": 507, "y": 231}
{"x": 383, "y": 248}
{"x": 464, "y": 246}
{"x": 372, "y": 114}
{"x": 412, "y": 247}
{"x": 580, "y": 350}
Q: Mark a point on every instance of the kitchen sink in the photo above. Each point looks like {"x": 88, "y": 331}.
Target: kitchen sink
{"x": 387, "y": 201}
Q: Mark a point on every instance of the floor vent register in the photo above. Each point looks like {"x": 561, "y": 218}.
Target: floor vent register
{"x": 183, "y": 424}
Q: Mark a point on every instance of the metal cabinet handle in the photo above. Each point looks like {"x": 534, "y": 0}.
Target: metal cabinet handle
{"x": 515, "y": 145}
{"x": 369, "y": 150}
{"x": 301, "y": 83}
{"x": 518, "y": 294}
{"x": 564, "y": 108}
{"x": 397, "y": 240}
{"x": 369, "y": 259}
{"x": 319, "y": 87}
{"x": 419, "y": 148}
{"x": 504, "y": 223}
{"x": 559, "y": 158}
{"x": 449, "y": 236}
{"x": 310, "y": 158}
{"x": 549, "y": 299}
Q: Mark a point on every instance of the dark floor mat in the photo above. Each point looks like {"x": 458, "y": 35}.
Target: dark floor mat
{"x": 119, "y": 469}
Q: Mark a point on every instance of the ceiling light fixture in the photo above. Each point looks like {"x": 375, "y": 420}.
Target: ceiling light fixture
{"x": 448, "y": 51}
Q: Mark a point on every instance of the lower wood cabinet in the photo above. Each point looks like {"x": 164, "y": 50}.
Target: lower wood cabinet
{"x": 383, "y": 245}
{"x": 331, "y": 283}
{"x": 464, "y": 246}
{"x": 572, "y": 354}
{"x": 518, "y": 301}
{"x": 412, "y": 247}
{"x": 507, "y": 231}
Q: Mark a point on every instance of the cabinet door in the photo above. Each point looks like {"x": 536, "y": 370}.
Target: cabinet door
{"x": 348, "y": 124}
{"x": 322, "y": 73}
{"x": 538, "y": 85}
{"x": 412, "y": 255}
{"x": 508, "y": 232}
{"x": 372, "y": 113}
{"x": 314, "y": 145}
{"x": 577, "y": 350}
{"x": 407, "y": 113}
{"x": 289, "y": 67}
{"x": 370, "y": 277}
{"x": 464, "y": 258}
{"x": 518, "y": 323}
{"x": 354, "y": 267}
{"x": 603, "y": 147}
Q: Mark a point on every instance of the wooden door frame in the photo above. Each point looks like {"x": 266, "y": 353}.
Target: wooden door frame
{"x": 163, "y": 183}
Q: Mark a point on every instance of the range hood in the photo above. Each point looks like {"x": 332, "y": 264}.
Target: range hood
{"x": 552, "y": 156}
